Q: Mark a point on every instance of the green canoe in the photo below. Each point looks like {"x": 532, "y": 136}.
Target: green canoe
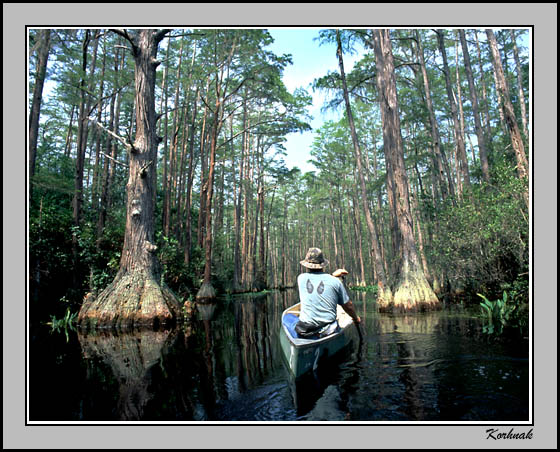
{"x": 304, "y": 355}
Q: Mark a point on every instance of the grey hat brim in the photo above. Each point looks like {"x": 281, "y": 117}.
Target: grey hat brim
{"x": 314, "y": 266}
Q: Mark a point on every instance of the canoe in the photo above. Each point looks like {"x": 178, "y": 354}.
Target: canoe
{"x": 304, "y": 355}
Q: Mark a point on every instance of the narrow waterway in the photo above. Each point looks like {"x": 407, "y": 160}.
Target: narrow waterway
{"x": 228, "y": 366}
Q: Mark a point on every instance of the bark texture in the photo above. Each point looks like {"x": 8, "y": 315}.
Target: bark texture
{"x": 412, "y": 291}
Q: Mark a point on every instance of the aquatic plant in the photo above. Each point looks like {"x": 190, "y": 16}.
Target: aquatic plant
{"x": 502, "y": 313}
{"x": 369, "y": 289}
{"x": 68, "y": 322}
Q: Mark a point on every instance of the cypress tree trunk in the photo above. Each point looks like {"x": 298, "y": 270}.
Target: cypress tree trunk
{"x": 95, "y": 195}
{"x": 384, "y": 295}
{"x": 238, "y": 197}
{"x": 412, "y": 292}
{"x": 260, "y": 272}
{"x": 172, "y": 173}
{"x": 137, "y": 296}
{"x": 106, "y": 177}
{"x": 190, "y": 181}
{"x": 165, "y": 124}
{"x": 206, "y": 291}
{"x": 358, "y": 234}
{"x": 78, "y": 198}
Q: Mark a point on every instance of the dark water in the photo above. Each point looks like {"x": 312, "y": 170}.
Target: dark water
{"x": 227, "y": 366}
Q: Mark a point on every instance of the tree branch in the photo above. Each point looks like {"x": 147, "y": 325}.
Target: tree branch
{"x": 124, "y": 34}
{"x": 98, "y": 102}
{"x": 246, "y": 130}
{"x": 114, "y": 160}
{"x": 161, "y": 34}
{"x": 113, "y": 134}
{"x": 185, "y": 35}
{"x": 144, "y": 168}
{"x": 238, "y": 88}
{"x": 407, "y": 63}
{"x": 207, "y": 106}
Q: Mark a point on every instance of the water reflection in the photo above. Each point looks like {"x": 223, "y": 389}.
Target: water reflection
{"x": 323, "y": 394}
{"x": 243, "y": 339}
{"x": 227, "y": 365}
{"x": 130, "y": 356}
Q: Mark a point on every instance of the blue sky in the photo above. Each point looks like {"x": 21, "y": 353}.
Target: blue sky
{"x": 310, "y": 60}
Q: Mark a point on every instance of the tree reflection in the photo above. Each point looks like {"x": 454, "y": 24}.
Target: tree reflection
{"x": 130, "y": 356}
{"x": 414, "y": 357}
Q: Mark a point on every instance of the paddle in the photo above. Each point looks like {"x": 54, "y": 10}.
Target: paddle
{"x": 359, "y": 328}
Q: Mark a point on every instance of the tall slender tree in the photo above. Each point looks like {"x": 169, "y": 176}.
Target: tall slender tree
{"x": 442, "y": 163}
{"x": 509, "y": 113}
{"x": 482, "y": 149}
{"x": 520, "y": 90}
{"x": 384, "y": 295}
{"x": 459, "y": 140}
{"x": 44, "y": 43}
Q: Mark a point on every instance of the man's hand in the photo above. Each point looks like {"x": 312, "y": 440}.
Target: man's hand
{"x": 340, "y": 272}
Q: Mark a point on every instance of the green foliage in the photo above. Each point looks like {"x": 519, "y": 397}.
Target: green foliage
{"x": 502, "y": 314}
{"x": 368, "y": 289}
{"x": 182, "y": 279}
{"x": 50, "y": 251}
{"x": 66, "y": 323}
{"x": 483, "y": 241}
{"x": 498, "y": 312}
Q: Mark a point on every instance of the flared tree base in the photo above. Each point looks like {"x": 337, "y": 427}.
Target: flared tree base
{"x": 413, "y": 294}
{"x": 384, "y": 296}
{"x": 133, "y": 300}
{"x": 206, "y": 293}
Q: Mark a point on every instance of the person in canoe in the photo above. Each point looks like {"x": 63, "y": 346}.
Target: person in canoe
{"x": 319, "y": 294}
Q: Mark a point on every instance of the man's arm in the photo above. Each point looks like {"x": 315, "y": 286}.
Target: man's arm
{"x": 349, "y": 309}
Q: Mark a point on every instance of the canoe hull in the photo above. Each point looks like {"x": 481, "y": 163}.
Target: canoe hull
{"x": 304, "y": 355}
